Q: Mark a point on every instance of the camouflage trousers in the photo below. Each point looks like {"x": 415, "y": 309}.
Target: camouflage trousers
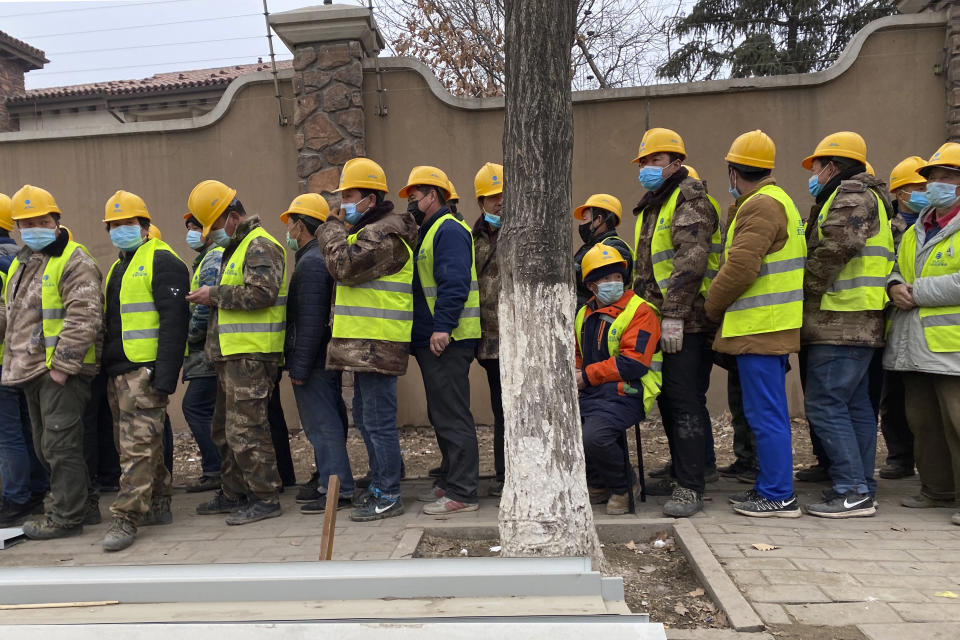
{"x": 138, "y": 415}
{"x": 241, "y": 431}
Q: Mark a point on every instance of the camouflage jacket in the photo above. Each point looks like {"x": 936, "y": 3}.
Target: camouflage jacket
{"x": 196, "y": 365}
{"x": 694, "y": 223}
{"x": 263, "y": 272}
{"x": 378, "y": 251}
{"x": 488, "y": 279}
{"x": 21, "y": 323}
{"x": 852, "y": 219}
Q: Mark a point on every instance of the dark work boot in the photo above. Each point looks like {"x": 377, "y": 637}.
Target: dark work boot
{"x": 220, "y": 503}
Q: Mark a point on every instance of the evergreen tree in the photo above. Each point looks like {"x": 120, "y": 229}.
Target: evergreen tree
{"x": 744, "y": 38}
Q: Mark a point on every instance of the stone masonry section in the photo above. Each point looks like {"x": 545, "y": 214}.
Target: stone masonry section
{"x": 328, "y": 114}
{"x": 952, "y": 68}
{"x": 11, "y": 83}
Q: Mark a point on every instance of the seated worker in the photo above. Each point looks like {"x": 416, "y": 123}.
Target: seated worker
{"x": 618, "y": 372}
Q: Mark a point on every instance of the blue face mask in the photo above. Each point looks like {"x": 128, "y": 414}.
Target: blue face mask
{"x": 814, "y": 186}
{"x": 609, "y": 292}
{"x": 492, "y": 220}
{"x": 651, "y": 177}
{"x": 292, "y": 242}
{"x": 941, "y": 194}
{"x": 350, "y": 213}
{"x": 127, "y": 237}
{"x": 219, "y": 237}
{"x": 195, "y": 239}
{"x": 38, "y": 237}
{"x": 734, "y": 192}
{"x": 918, "y": 201}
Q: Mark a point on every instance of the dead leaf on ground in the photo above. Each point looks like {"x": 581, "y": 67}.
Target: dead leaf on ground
{"x": 946, "y": 594}
{"x": 646, "y": 568}
{"x": 762, "y": 546}
{"x": 696, "y": 593}
{"x": 631, "y": 545}
{"x": 681, "y": 610}
{"x": 901, "y": 529}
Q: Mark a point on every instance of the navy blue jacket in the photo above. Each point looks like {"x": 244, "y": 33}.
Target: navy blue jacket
{"x": 308, "y": 313}
{"x": 452, "y": 261}
{"x": 8, "y": 251}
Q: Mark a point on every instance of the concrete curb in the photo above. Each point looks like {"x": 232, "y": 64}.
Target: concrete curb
{"x": 408, "y": 544}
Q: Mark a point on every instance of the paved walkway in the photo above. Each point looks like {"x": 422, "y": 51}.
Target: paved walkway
{"x": 882, "y": 573}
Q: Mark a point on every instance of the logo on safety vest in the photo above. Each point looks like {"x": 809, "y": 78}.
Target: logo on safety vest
{"x": 140, "y": 273}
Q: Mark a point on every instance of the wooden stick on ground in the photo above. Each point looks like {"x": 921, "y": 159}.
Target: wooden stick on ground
{"x": 330, "y": 518}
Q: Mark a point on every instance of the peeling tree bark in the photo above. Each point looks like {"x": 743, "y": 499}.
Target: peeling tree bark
{"x": 545, "y": 509}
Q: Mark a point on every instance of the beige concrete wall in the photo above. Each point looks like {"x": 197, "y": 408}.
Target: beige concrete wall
{"x": 889, "y": 94}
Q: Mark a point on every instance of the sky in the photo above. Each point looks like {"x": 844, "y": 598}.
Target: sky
{"x": 98, "y": 41}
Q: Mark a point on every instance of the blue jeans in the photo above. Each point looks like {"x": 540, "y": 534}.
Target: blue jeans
{"x": 20, "y": 469}
{"x": 763, "y": 381}
{"x": 375, "y": 414}
{"x": 838, "y": 405}
{"x": 318, "y": 402}
{"x": 198, "y": 402}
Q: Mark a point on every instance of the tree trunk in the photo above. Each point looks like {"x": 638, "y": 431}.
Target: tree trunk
{"x": 545, "y": 509}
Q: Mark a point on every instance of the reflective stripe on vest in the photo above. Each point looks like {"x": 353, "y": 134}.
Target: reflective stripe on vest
{"x": 774, "y": 300}
{"x": 381, "y": 309}
{"x": 662, "y": 249}
{"x": 862, "y": 283}
{"x": 941, "y": 325}
{"x": 652, "y": 380}
{"x": 139, "y": 320}
{"x": 52, "y": 311}
{"x": 469, "y": 325}
{"x": 258, "y": 331}
{"x": 195, "y": 281}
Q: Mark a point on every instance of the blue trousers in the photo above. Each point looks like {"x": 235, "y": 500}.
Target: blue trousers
{"x": 198, "y": 402}
{"x": 318, "y": 402}
{"x": 21, "y": 471}
{"x": 838, "y": 406}
{"x": 763, "y": 381}
{"x": 375, "y": 414}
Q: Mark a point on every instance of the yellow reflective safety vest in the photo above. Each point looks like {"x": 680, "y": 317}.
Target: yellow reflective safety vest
{"x": 3, "y": 280}
{"x": 51, "y": 302}
{"x": 862, "y": 283}
{"x": 139, "y": 320}
{"x": 774, "y": 301}
{"x": 259, "y": 331}
{"x": 380, "y": 309}
{"x": 469, "y": 325}
{"x": 662, "y": 250}
{"x": 652, "y": 380}
{"x": 195, "y": 281}
{"x": 941, "y": 325}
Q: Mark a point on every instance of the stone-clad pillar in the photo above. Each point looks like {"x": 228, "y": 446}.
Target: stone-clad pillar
{"x": 952, "y": 71}
{"x": 329, "y": 43}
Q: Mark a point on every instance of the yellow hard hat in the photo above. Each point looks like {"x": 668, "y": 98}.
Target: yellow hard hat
{"x": 658, "y": 140}
{"x": 32, "y": 202}
{"x": 600, "y": 255}
{"x": 69, "y": 233}
{"x": 426, "y": 175}
{"x": 601, "y": 201}
{"x": 843, "y": 144}
{"x": 208, "y": 201}
{"x": 691, "y": 172}
{"x": 362, "y": 173}
{"x": 453, "y": 192}
{"x": 489, "y": 180}
{"x": 5, "y": 220}
{"x": 313, "y": 205}
{"x": 948, "y": 155}
{"x": 154, "y": 233}
{"x": 123, "y": 205}
{"x": 906, "y": 172}
{"x": 753, "y": 149}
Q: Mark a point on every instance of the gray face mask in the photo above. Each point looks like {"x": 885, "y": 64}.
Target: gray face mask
{"x": 609, "y": 292}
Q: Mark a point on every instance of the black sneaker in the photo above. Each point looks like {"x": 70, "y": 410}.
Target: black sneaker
{"x": 662, "y": 487}
{"x": 665, "y": 471}
{"x": 766, "y": 508}
{"x": 91, "y": 510}
{"x": 255, "y": 511}
{"x": 744, "y": 496}
{"x": 848, "y": 505}
{"x": 320, "y": 504}
{"x": 361, "y": 497}
{"x": 895, "y": 471}
{"x": 731, "y": 470}
{"x": 813, "y": 473}
{"x": 434, "y": 473}
{"x": 495, "y": 489}
{"x": 13, "y": 513}
{"x": 377, "y": 508}
{"x": 220, "y": 503}
{"x": 308, "y": 492}
{"x": 748, "y": 476}
{"x": 204, "y": 483}
{"x": 711, "y": 475}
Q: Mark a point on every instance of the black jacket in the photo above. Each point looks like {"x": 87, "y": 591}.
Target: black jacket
{"x": 308, "y": 313}
{"x": 171, "y": 283}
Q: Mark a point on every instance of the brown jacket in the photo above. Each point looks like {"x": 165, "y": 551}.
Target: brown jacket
{"x": 850, "y": 222}
{"x": 761, "y": 230}
{"x": 263, "y": 272}
{"x": 379, "y": 251}
{"x": 694, "y": 223}
{"x": 488, "y": 279}
{"x": 21, "y": 323}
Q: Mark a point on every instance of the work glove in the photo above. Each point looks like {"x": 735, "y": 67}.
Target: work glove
{"x": 671, "y": 335}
